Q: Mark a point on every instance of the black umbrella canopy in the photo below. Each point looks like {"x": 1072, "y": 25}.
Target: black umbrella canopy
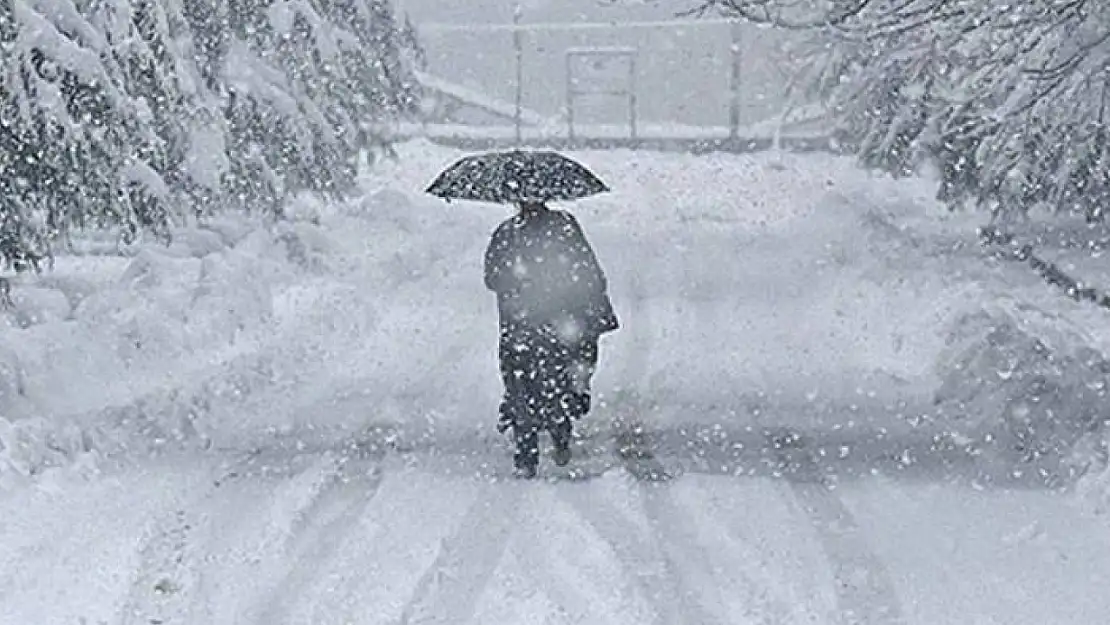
{"x": 516, "y": 176}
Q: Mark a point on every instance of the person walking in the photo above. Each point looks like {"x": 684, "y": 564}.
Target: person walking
{"x": 552, "y": 295}
{"x": 553, "y": 305}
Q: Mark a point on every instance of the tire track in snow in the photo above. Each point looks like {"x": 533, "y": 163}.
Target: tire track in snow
{"x": 677, "y": 536}
{"x": 562, "y": 560}
{"x": 335, "y": 512}
{"x": 177, "y": 579}
{"x": 162, "y": 576}
{"x": 645, "y": 560}
{"x": 449, "y": 590}
{"x": 168, "y": 581}
{"x": 865, "y": 594}
{"x": 318, "y": 529}
{"x": 304, "y": 497}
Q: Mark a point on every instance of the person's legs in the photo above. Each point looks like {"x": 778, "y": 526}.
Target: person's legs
{"x": 526, "y": 454}
{"x": 524, "y": 356}
{"x": 547, "y": 386}
{"x": 575, "y": 366}
{"x": 507, "y": 359}
{"x": 561, "y": 430}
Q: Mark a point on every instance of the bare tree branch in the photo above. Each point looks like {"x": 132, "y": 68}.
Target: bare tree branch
{"x": 770, "y": 12}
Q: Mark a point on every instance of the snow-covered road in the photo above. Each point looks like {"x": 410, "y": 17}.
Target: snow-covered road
{"x": 286, "y": 537}
{"x": 780, "y": 337}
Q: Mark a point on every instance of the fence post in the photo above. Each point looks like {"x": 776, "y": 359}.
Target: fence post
{"x": 632, "y": 98}
{"x": 570, "y": 95}
{"x": 518, "y": 46}
{"x": 734, "y": 81}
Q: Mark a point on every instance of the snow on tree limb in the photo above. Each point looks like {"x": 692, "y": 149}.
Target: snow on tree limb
{"x": 127, "y": 113}
{"x": 38, "y": 34}
{"x": 1007, "y": 98}
{"x": 785, "y": 15}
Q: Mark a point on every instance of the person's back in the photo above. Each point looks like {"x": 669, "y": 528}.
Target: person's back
{"x": 543, "y": 270}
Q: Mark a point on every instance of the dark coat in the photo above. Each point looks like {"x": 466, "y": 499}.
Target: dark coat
{"x": 545, "y": 273}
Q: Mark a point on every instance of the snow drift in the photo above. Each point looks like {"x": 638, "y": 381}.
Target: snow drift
{"x": 151, "y": 347}
{"x": 828, "y": 295}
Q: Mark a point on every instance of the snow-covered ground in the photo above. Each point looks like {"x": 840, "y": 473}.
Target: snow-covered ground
{"x": 294, "y": 423}
{"x": 809, "y": 122}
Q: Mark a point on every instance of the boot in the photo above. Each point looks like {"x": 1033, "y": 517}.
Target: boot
{"x": 524, "y": 471}
{"x": 526, "y": 458}
{"x": 560, "y": 437}
{"x": 561, "y": 456}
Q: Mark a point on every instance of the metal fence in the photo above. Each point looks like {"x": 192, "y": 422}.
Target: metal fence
{"x": 698, "y": 79}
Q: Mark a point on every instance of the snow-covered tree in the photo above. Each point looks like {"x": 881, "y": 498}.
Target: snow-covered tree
{"x": 1044, "y": 97}
{"x": 134, "y": 113}
{"x": 305, "y": 77}
{"x": 1006, "y": 98}
{"x": 21, "y": 245}
{"x": 78, "y": 146}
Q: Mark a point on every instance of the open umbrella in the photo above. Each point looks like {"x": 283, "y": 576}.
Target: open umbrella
{"x": 515, "y": 176}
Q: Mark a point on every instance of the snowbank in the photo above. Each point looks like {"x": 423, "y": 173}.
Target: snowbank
{"x": 154, "y": 347}
{"x": 1022, "y": 370}
{"x": 1024, "y": 388}
{"x": 774, "y": 289}
{"x": 107, "y": 344}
